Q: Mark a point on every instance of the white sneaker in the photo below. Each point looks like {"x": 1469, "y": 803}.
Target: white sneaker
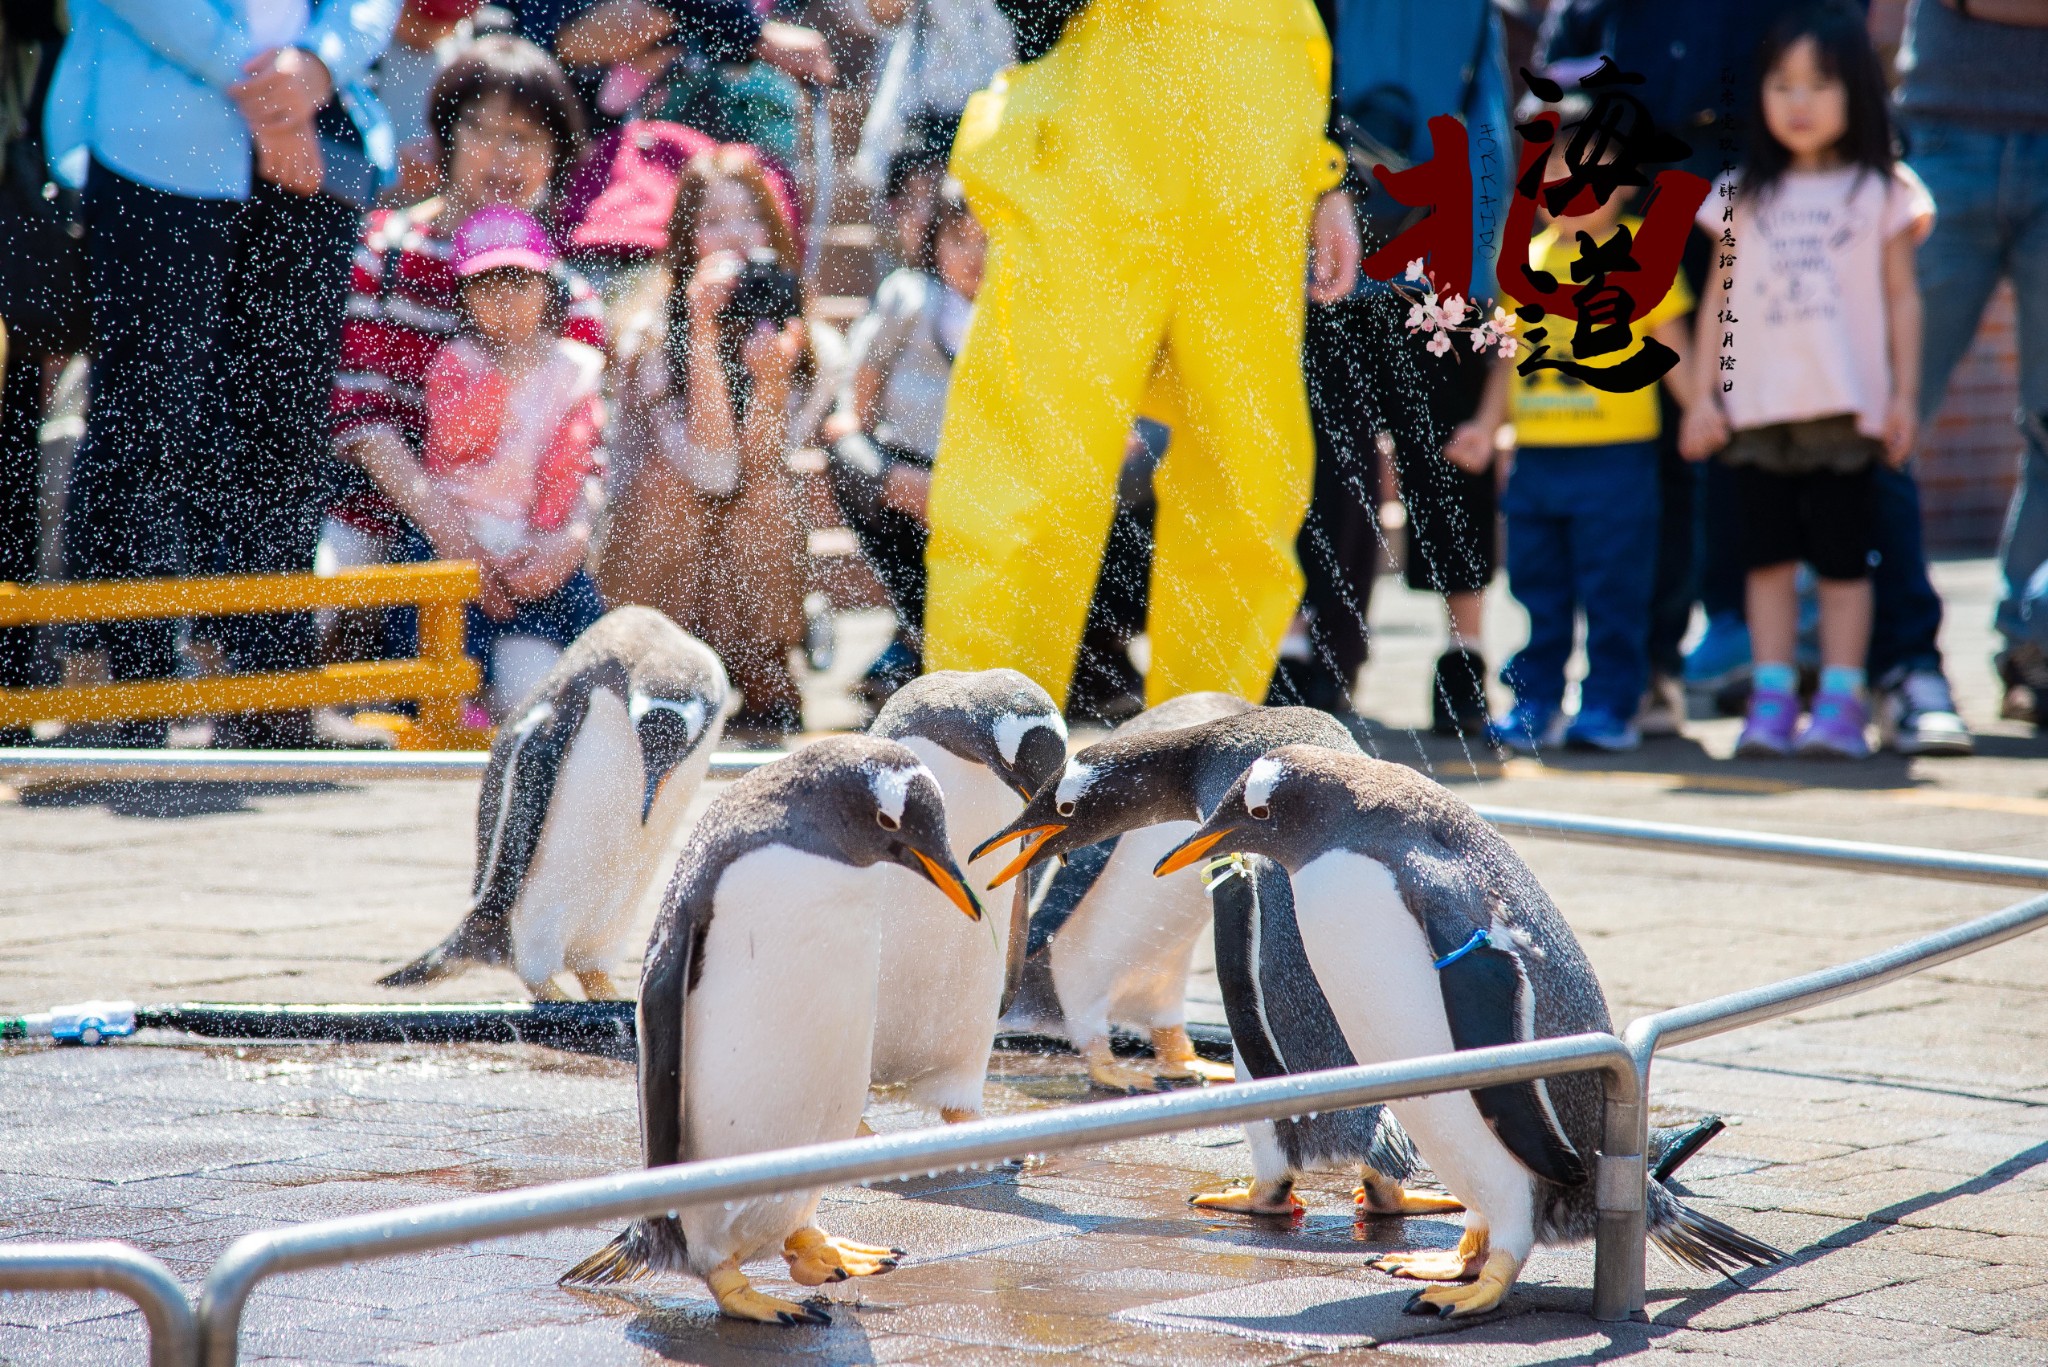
{"x": 1663, "y": 709}
{"x": 1917, "y": 716}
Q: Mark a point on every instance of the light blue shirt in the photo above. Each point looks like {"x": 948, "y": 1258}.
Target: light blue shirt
{"x": 142, "y": 87}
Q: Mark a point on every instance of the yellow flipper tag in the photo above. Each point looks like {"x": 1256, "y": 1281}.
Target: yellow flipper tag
{"x": 1217, "y": 872}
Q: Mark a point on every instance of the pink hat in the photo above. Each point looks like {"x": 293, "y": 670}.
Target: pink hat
{"x": 501, "y": 237}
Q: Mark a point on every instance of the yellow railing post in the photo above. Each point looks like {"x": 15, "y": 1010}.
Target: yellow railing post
{"x": 436, "y": 681}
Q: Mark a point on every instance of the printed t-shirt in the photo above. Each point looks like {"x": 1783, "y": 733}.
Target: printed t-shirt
{"x": 1550, "y": 408}
{"x": 1807, "y": 331}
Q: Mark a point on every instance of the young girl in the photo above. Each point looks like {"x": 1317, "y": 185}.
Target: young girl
{"x": 901, "y": 357}
{"x": 513, "y": 422}
{"x": 1809, "y": 362}
{"x": 706, "y": 526}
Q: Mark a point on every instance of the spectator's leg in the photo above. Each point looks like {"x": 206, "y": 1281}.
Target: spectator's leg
{"x": 1338, "y": 546}
{"x": 287, "y": 284}
{"x": 1677, "y": 578}
{"x": 156, "y": 270}
{"x": 21, "y": 412}
{"x": 1614, "y": 559}
{"x": 1907, "y": 614}
{"x": 2027, "y": 264}
{"x": 1540, "y": 577}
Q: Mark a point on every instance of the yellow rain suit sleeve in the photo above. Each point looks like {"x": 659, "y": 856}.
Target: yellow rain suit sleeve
{"x": 1146, "y": 187}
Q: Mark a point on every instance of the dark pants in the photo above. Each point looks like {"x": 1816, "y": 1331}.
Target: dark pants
{"x": 216, "y": 327}
{"x": 1582, "y": 528}
{"x": 21, "y": 413}
{"x": 1339, "y": 545}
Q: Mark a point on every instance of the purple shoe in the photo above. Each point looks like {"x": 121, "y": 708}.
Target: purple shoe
{"x": 1767, "y": 731}
{"x": 1836, "y": 728}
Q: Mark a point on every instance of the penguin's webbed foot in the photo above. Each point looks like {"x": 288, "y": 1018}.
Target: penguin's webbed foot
{"x": 1259, "y": 1198}
{"x": 1495, "y": 1280}
{"x": 1105, "y": 1071}
{"x": 1442, "y": 1264}
{"x": 598, "y": 986}
{"x": 958, "y": 1115}
{"x": 816, "y": 1258}
{"x": 548, "y": 990}
{"x": 737, "y": 1298}
{"x": 1175, "y": 1057}
{"x": 1380, "y": 1194}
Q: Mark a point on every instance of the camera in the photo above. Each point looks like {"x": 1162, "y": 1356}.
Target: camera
{"x": 763, "y": 291}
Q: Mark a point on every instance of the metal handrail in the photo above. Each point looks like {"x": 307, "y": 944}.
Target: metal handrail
{"x": 1966, "y": 866}
{"x": 655, "y": 1191}
{"x": 109, "y": 1265}
{"x": 53, "y": 763}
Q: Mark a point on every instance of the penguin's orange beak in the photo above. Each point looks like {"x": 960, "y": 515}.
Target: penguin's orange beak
{"x": 1189, "y": 851}
{"x": 948, "y": 882}
{"x": 1034, "y": 838}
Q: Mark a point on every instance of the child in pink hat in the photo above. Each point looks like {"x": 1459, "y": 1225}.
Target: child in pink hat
{"x": 514, "y": 422}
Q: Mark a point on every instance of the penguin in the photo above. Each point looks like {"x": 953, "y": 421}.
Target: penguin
{"x": 1178, "y": 775}
{"x": 991, "y": 739}
{"x": 583, "y": 790}
{"x": 1117, "y": 943}
{"x": 1427, "y": 933}
{"x": 757, "y": 1003}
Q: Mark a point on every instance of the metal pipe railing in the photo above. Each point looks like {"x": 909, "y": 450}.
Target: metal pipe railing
{"x": 1964, "y": 866}
{"x": 655, "y": 1191}
{"x": 51, "y": 764}
{"x": 109, "y": 1265}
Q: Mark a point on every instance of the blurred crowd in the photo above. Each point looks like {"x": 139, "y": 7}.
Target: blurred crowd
{"x": 639, "y": 300}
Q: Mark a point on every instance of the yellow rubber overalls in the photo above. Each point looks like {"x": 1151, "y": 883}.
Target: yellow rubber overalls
{"x": 1146, "y": 187}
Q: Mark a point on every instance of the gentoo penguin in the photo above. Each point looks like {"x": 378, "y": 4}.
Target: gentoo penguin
{"x": 990, "y": 738}
{"x": 1151, "y": 778}
{"x": 583, "y": 790}
{"x": 1427, "y": 933}
{"x": 757, "y": 1002}
{"x": 1120, "y": 941}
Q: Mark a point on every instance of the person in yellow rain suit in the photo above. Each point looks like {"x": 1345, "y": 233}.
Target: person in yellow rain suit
{"x": 1147, "y": 187}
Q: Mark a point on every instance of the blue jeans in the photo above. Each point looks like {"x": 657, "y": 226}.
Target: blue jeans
{"x": 558, "y": 619}
{"x": 1582, "y": 536}
{"x": 1991, "y": 193}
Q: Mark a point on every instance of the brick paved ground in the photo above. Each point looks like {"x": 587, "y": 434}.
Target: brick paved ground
{"x": 1896, "y": 1143}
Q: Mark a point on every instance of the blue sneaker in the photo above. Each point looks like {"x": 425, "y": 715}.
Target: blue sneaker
{"x": 1527, "y": 729}
{"x": 1722, "y": 655}
{"x": 1595, "y": 728}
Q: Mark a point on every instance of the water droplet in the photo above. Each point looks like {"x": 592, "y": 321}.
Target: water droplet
{"x": 672, "y": 1215}
{"x": 732, "y": 1205}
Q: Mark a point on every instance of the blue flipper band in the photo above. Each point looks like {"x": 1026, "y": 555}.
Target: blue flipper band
{"x": 1479, "y": 937}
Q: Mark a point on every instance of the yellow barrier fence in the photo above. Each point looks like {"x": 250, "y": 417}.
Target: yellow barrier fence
{"x": 437, "y": 680}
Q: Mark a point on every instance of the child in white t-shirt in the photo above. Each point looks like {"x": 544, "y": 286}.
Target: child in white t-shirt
{"x": 1808, "y": 347}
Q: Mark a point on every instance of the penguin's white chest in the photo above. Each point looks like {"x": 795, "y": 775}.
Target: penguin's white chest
{"x": 778, "y": 1029}
{"x": 1124, "y": 953}
{"x": 942, "y": 974}
{"x": 1375, "y": 967}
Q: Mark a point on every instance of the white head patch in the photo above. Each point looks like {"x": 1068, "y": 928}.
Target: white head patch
{"x": 691, "y": 710}
{"x": 1075, "y": 780}
{"x": 1011, "y": 728}
{"x": 1259, "y": 781}
{"x": 892, "y": 788}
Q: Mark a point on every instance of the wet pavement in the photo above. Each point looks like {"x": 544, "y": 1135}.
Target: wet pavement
{"x": 1896, "y": 1144}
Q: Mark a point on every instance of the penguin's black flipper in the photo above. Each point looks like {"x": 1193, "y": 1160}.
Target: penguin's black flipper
{"x": 518, "y": 788}
{"x": 1486, "y": 1000}
{"x": 1070, "y": 883}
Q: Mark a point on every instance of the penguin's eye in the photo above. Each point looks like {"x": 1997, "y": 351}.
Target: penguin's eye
{"x": 1066, "y": 808}
{"x": 886, "y": 822}
{"x": 1260, "y": 812}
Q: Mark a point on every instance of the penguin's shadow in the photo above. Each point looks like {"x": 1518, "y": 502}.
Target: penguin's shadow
{"x": 1869, "y": 1227}
{"x": 159, "y": 800}
{"x": 690, "y": 1329}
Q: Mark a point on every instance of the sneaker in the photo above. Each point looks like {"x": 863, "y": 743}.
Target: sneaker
{"x": 1722, "y": 655}
{"x": 2024, "y": 671}
{"x": 1595, "y": 728}
{"x": 1457, "y": 695}
{"x": 1836, "y": 728}
{"x": 1527, "y": 729}
{"x": 1917, "y": 716}
{"x": 1663, "y": 709}
{"x": 1767, "y": 729}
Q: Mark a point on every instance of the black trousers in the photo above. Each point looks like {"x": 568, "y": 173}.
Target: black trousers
{"x": 21, "y": 415}
{"x": 1339, "y": 544}
{"x": 216, "y": 327}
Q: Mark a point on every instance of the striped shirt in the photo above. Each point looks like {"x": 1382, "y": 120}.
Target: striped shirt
{"x": 401, "y": 310}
